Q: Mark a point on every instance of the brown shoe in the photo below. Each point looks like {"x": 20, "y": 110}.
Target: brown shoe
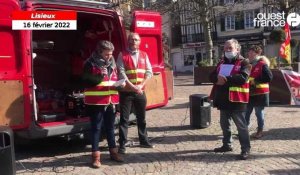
{"x": 96, "y": 159}
{"x": 114, "y": 155}
{"x": 258, "y": 134}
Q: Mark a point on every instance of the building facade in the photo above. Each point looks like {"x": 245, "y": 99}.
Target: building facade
{"x": 232, "y": 19}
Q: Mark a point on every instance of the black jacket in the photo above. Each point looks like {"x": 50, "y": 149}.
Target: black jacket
{"x": 220, "y": 93}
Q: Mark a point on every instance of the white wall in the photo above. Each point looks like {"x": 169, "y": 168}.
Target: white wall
{"x": 178, "y": 63}
{"x": 177, "y": 58}
{"x": 166, "y": 24}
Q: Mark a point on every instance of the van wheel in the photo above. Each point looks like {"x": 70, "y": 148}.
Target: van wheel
{"x": 86, "y": 138}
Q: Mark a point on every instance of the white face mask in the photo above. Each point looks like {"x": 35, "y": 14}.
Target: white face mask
{"x": 230, "y": 55}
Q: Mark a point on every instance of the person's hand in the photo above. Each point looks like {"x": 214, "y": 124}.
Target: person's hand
{"x": 138, "y": 90}
{"x": 104, "y": 71}
{"x": 123, "y": 84}
{"x": 140, "y": 86}
{"x": 221, "y": 80}
{"x": 252, "y": 82}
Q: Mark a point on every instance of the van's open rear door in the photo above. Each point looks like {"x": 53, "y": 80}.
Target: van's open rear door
{"x": 14, "y": 98}
{"x": 148, "y": 26}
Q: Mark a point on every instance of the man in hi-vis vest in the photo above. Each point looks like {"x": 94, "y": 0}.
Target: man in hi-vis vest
{"x": 100, "y": 76}
{"x": 135, "y": 67}
{"x": 230, "y": 94}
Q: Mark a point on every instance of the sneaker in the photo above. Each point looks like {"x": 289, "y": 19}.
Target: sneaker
{"x": 122, "y": 150}
{"x": 244, "y": 155}
{"x": 128, "y": 144}
{"x": 147, "y": 145}
{"x": 223, "y": 149}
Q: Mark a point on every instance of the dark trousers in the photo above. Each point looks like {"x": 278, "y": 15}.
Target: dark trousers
{"x": 100, "y": 115}
{"x": 238, "y": 118}
{"x": 127, "y": 100}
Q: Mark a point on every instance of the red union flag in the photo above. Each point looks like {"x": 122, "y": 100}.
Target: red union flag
{"x": 293, "y": 81}
{"x": 285, "y": 48}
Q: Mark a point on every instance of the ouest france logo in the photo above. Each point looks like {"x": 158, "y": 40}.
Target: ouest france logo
{"x": 276, "y": 19}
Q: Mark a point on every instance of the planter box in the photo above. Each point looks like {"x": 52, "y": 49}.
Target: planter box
{"x": 201, "y": 74}
{"x": 170, "y": 83}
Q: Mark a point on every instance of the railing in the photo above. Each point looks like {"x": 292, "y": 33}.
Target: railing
{"x": 192, "y": 38}
{"x": 269, "y": 29}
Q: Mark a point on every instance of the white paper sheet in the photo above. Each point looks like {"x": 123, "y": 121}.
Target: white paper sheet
{"x": 119, "y": 83}
{"x": 226, "y": 69}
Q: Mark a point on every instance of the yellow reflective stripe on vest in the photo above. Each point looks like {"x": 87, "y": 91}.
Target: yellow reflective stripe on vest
{"x": 238, "y": 89}
{"x": 136, "y": 80}
{"x": 100, "y": 93}
{"x": 262, "y": 85}
{"x": 251, "y": 79}
{"x": 107, "y": 83}
{"x": 134, "y": 71}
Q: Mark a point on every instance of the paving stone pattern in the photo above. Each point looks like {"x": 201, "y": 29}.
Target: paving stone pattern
{"x": 179, "y": 149}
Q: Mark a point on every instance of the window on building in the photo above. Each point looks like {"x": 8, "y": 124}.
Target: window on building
{"x": 198, "y": 57}
{"x": 188, "y": 60}
{"x": 147, "y": 4}
{"x": 228, "y": 2}
{"x": 183, "y": 34}
{"x": 248, "y": 19}
{"x": 230, "y": 22}
{"x": 190, "y": 32}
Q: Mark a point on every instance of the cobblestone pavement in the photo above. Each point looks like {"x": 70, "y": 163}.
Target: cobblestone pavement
{"x": 179, "y": 148}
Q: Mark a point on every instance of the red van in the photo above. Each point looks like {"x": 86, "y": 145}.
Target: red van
{"x": 39, "y": 69}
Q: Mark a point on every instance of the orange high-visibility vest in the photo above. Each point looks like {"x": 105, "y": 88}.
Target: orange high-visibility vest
{"x": 260, "y": 88}
{"x": 104, "y": 93}
{"x": 135, "y": 75}
{"x": 239, "y": 94}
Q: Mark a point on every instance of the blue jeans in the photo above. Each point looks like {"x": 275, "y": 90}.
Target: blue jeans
{"x": 259, "y": 112}
{"x": 238, "y": 118}
{"x": 99, "y": 116}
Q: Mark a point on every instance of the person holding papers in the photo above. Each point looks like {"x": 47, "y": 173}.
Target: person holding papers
{"x": 100, "y": 75}
{"x": 230, "y": 94}
{"x": 260, "y": 77}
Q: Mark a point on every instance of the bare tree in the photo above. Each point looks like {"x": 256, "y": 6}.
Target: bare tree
{"x": 282, "y": 5}
{"x": 204, "y": 11}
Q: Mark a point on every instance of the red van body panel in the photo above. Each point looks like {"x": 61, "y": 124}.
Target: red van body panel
{"x": 15, "y": 73}
{"x": 19, "y": 108}
{"x": 148, "y": 26}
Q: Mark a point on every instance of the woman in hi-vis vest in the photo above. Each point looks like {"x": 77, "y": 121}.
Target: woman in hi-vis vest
{"x": 260, "y": 77}
{"x": 101, "y": 96}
